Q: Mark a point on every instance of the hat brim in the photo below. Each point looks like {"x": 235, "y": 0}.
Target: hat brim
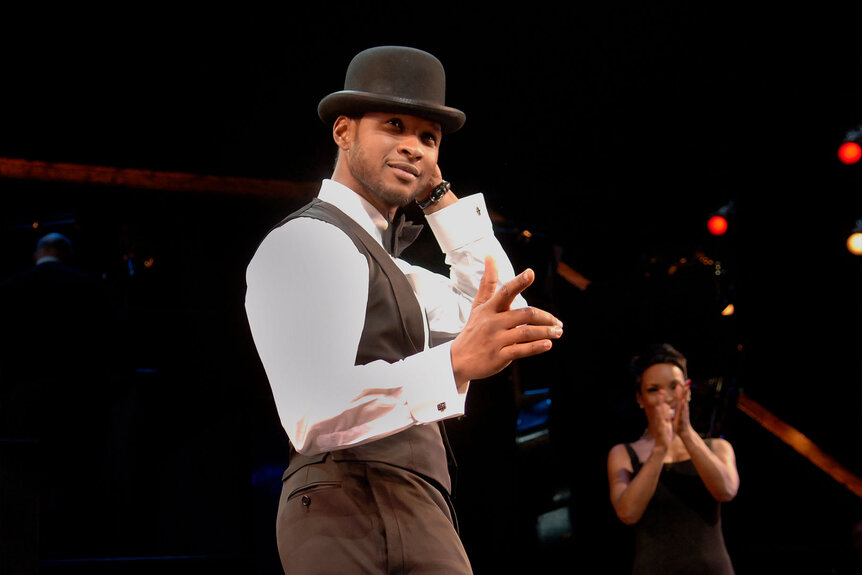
{"x": 352, "y": 103}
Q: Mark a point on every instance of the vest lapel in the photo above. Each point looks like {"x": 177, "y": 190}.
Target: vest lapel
{"x": 412, "y": 317}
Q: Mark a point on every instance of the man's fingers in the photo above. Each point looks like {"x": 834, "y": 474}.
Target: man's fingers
{"x": 522, "y": 350}
{"x": 526, "y": 340}
{"x": 529, "y": 333}
{"x": 527, "y": 316}
{"x": 509, "y": 290}
{"x": 495, "y": 334}
{"x": 488, "y": 283}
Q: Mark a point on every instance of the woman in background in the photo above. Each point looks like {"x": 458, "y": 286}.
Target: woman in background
{"x": 670, "y": 483}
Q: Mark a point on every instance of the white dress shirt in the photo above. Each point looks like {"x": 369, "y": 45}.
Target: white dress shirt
{"x": 307, "y": 289}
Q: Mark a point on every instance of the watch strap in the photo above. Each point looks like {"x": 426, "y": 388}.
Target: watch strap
{"x": 435, "y": 194}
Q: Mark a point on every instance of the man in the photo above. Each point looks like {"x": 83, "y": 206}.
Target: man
{"x": 344, "y": 331}
{"x": 56, "y": 388}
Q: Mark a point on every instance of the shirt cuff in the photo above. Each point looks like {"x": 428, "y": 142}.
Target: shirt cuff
{"x": 434, "y": 395}
{"x": 461, "y": 223}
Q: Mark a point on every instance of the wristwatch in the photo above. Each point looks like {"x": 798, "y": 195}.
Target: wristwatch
{"x": 435, "y": 194}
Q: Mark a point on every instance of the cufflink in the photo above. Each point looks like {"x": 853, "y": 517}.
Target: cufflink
{"x": 441, "y": 406}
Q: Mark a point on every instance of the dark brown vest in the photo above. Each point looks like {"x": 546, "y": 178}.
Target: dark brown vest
{"x": 393, "y": 330}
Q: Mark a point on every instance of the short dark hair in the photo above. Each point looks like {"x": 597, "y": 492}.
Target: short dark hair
{"x": 654, "y": 354}
{"x": 56, "y": 245}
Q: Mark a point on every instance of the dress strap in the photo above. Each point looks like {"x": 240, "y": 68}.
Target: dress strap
{"x": 636, "y": 462}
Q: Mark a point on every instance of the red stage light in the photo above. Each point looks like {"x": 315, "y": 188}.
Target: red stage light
{"x": 849, "y": 152}
{"x": 717, "y": 225}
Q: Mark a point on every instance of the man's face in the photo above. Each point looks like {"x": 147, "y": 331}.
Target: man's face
{"x": 393, "y": 158}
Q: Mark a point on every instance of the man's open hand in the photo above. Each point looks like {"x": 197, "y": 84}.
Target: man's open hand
{"x": 495, "y": 334}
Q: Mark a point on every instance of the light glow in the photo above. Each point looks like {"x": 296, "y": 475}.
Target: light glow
{"x": 849, "y": 152}
{"x": 717, "y": 225}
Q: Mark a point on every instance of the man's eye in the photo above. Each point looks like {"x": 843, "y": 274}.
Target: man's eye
{"x": 395, "y": 122}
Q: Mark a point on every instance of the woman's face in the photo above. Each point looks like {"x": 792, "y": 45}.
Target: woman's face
{"x": 662, "y": 383}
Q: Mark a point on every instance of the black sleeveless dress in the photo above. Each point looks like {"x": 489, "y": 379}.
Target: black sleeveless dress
{"x": 680, "y": 531}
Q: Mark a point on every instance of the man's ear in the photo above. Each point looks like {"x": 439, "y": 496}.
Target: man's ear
{"x": 342, "y": 132}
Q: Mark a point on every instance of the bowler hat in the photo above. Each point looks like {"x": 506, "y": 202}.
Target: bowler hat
{"x": 393, "y": 79}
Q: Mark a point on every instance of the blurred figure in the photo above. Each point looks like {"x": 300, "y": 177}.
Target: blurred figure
{"x": 670, "y": 483}
{"x": 55, "y": 376}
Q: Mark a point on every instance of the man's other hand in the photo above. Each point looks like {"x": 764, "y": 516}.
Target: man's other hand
{"x": 495, "y": 334}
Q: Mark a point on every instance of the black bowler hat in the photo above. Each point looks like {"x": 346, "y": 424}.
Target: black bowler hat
{"x": 393, "y": 79}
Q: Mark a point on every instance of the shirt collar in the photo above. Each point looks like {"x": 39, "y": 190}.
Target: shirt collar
{"x": 46, "y": 259}
{"x": 355, "y": 207}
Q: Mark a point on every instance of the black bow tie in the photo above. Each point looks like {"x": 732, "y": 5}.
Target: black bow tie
{"x": 400, "y": 234}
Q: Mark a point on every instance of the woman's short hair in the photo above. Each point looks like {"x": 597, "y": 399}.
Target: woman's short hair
{"x": 655, "y": 354}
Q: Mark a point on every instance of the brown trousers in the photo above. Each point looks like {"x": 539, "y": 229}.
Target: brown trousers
{"x": 350, "y": 517}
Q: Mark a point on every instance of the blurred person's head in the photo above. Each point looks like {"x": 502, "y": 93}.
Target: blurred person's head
{"x": 53, "y": 247}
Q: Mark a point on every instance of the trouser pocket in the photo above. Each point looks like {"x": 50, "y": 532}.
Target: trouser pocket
{"x": 306, "y": 493}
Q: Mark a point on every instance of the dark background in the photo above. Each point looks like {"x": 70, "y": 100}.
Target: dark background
{"x": 609, "y": 133}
